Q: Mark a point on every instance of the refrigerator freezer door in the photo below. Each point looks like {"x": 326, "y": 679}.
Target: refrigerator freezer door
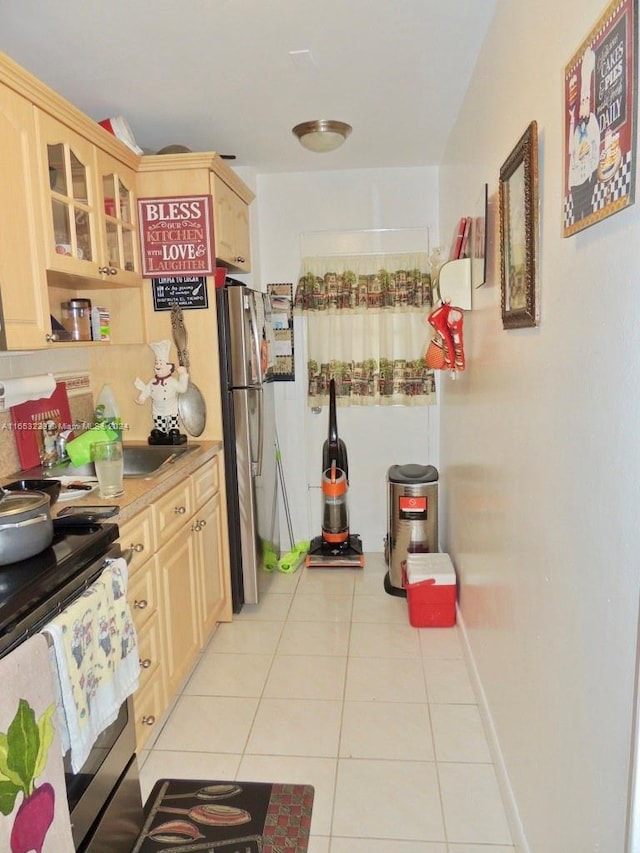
{"x": 245, "y": 337}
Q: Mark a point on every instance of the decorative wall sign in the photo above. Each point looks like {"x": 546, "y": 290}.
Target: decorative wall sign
{"x": 176, "y": 236}
{"x": 187, "y": 292}
{"x": 282, "y": 365}
{"x": 600, "y": 85}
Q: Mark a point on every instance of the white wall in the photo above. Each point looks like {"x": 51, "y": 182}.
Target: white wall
{"x": 288, "y": 206}
{"x": 540, "y": 459}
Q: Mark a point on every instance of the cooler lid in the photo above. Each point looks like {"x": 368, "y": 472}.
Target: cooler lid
{"x": 434, "y": 567}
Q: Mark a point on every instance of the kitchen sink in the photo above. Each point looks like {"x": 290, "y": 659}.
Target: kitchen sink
{"x": 140, "y": 460}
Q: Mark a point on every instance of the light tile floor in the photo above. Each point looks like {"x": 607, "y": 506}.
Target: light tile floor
{"x": 326, "y": 683}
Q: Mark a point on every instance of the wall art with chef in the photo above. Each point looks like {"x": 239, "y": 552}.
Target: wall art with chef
{"x": 600, "y": 84}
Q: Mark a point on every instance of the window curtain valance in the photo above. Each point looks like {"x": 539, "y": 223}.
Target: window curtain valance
{"x": 357, "y": 283}
{"x": 367, "y": 328}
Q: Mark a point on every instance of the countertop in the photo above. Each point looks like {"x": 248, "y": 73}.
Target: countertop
{"x": 139, "y": 492}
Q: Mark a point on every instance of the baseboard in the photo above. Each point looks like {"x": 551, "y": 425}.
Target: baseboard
{"x": 508, "y": 797}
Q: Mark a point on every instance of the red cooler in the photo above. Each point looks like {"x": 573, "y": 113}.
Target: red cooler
{"x": 430, "y": 582}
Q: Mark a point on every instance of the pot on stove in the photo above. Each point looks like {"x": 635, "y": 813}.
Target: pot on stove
{"x": 26, "y": 527}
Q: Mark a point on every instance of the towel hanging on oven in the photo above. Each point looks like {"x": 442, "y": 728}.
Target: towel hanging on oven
{"x": 95, "y": 652}
{"x": 34, "y": 799}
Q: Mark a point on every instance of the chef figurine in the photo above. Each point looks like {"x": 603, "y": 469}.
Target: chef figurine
{"x": 584, "y": 141}
{"x": 164, "y": 390}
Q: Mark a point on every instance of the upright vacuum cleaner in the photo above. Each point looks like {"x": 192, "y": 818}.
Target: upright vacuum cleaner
{"x": 336, "y": 546}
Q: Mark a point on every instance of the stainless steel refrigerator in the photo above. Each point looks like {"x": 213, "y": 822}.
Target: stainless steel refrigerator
{"x": 248, "y": 411}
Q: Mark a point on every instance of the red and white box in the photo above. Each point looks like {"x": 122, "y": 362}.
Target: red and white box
{"x": 430, "y": 581}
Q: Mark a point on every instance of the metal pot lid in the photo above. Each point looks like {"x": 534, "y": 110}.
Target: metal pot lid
{"x": 14, "y": 503}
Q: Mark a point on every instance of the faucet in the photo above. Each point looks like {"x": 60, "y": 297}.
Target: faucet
{"x": 61, "y": 448}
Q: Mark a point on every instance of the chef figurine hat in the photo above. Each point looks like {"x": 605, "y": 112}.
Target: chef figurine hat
{"x": 586, "y": 73}
{"x": 161, "y": 349}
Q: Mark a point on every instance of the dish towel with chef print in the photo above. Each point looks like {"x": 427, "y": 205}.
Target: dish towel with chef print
{"x": 95, "y": 650}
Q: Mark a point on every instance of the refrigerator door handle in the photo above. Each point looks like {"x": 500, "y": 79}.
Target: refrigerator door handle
{"x": 255, "y": 332}
{"x": 257, "y": 464}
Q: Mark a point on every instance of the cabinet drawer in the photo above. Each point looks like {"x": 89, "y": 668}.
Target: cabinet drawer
{"x": 148, "y": 707}
{"x": 137, "y": 535}
{"x": 206, "y": 481}
{"x": 150, "y": 653}
{"x": 171, "y": 511}
{"x": 142, "y": 596}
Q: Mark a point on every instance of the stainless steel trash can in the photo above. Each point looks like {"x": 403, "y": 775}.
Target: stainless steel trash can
{"x": 412, "y": 518}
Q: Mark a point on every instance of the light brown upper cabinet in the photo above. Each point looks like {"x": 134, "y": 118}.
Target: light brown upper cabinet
{"x": 231, "y": 223}
{"x": 24, "y": 307}
{"x": 89, "y": 207}
{"x": 197, "y": 174}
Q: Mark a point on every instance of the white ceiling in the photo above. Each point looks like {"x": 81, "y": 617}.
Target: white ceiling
{"x": 218, "y": 75}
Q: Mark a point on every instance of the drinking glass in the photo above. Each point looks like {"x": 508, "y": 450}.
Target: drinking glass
{"x": 109, "y": 462}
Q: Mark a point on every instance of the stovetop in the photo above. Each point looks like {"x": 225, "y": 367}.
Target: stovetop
{"x": 34, "y": 589}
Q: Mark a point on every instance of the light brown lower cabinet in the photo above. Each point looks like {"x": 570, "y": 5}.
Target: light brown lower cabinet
{"x": 177, "y": 589}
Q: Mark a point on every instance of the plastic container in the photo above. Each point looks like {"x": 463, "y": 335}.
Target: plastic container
{"x": 100, "y": 324}
{"x": 76, "y": 318}
{"x": 430, "y": 581}
{"x": 107, "y": 411}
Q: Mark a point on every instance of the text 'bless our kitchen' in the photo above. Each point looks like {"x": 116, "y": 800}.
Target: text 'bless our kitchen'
{"x": 176, "y": 235}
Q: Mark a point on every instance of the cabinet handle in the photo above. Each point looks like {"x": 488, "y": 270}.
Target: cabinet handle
{"x": 146, "y": 663}
{"x": 196, "y": 527}
{"x": 239, "y": 259}
{"x": 148, "y": 721}
{"x": 51, "y": 338}
{"x": 107, "y": 270}
{"x": 180, "y": 510}
{"x": 140, "y": 605}
{"x": 137, "y": 548}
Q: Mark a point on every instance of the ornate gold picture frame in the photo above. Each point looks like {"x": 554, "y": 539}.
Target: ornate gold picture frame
{"x": 519, "y": 232}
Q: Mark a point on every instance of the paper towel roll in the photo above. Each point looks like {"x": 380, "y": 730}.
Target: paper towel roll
{"x": 16, "y": 391}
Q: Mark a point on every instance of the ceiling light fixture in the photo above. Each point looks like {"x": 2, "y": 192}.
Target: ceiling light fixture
{"x": 322, "y": 135}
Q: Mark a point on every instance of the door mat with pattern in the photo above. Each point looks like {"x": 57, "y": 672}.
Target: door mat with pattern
{"x": 188, "y": 815}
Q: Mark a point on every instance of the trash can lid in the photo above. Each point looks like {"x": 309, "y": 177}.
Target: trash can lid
{"x": 412, "y": 474}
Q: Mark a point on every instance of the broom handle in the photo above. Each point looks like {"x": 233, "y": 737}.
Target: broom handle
{"x": 284, "y": 495}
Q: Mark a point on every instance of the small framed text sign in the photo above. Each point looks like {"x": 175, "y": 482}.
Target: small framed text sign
{"x": 188, "y": 292}
{"x": 176, "y": 236}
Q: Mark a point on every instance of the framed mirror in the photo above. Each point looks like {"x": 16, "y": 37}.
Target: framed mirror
{"x": 519, "y": 232}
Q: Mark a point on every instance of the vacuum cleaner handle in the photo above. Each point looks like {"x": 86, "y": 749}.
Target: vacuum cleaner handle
{"x": 334, "y": 449}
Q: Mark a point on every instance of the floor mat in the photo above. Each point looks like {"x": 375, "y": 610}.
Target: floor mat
{"x": 185, "y": 815}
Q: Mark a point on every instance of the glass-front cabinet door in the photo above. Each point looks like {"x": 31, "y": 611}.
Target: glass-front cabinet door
{"x": 119, "y": 208}
{"x": 72, "y": 208}
{"x": 90, "y": 208}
